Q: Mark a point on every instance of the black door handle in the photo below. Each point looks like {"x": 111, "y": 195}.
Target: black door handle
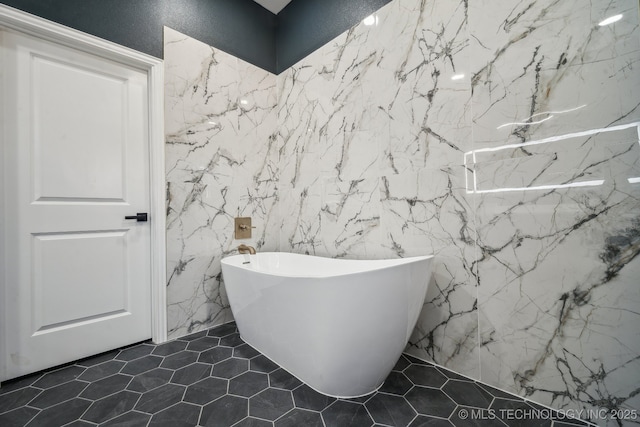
{"x": 140, "y": 217}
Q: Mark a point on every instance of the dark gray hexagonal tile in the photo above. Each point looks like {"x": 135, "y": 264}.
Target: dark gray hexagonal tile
{"x": 232, "y": 340}
{"x": 191, "y": 374}
{"x": 102, "y": 370}
{"x": 230, "y": 368}
{"x": 569, "y": 423}
{"x": 128, "y": 419}
{"x": 17, "y": 398}
{"x": 416, "y": 361}
{"x": 179, "y": 360}
{"x": 343, "y": 413}
{"x": 202, "y": 344}
{"x": 106, "y": 386}
{"x": 390, "y": 410}
{"x": 142, "y": 364}
{"x": 61, "y": 414}
{"x": 262, "y": 364}
{"x": 300, "y": 417}
{"x": 254, "y": 422}
{"x": 194, "y": 336}
{"x": 248, "y": 384}
{"x": 307, "y": 398}
{"x": 360, "y": 399}
{"x": 474, "y": 417}
{"x": 179, "y": 415}
{"x": 13, "y": 385}
{"x": 18, "y": 417}
{"x": 496, "y": 392}
{"x": 283, "y": 379}
{"x": 245, "y": 351}
{"x": 270, "y": 404}
{"x": 467, "y": 394}
{"x": 206, "y": 391}
{"x": 150, "y": 380}
{"x": 98, "y": 359}
{"x": 223, "y": 330}
{"x": 55, "y": 378}
{"x": 425, "y": 375}
{"x": 111, "y": 406}
{"x": 424, "y": 421}
{"x": 430, "y": 401}
{"x": 396, "y": 383}
{"x": 401, "y": 364}
{"x": 135, "y": 352}
{"x": 215, "y": 355}
{"x": 224, "y": 412}
{"x": 508, "y": 404}
{"x": 178, "y": 403}
{"x": 80, "y": 423}
{"x": 54, "y": 395}
{"x": 160, "y": 398}
{"x": 169, "y": 348}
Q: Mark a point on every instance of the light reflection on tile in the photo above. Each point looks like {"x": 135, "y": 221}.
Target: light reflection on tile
{"x": 370, "y": 148}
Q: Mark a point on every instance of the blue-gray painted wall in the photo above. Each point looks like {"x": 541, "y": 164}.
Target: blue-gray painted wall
{"x": 239, "y": 27}
{"x": 242, "y": 28}
{"x": 306, "y": 25}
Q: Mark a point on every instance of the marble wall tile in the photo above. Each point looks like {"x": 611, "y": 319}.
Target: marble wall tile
{"x": 546, "y": 68}
{"x": 555, "y": 112}
{"x": 373, "y": 133}
{"x": 502, "y": 137}
{"x": 221, "y": 162}
{"x": 427, "y": 212}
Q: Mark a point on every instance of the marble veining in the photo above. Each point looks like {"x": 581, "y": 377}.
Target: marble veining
{"x": 555, "y": 102}
{"x": 501, "y": 137}
{"x": 390, "y": 128}
{"x": 221, "y": 163}
{"x": 517, "y": 173}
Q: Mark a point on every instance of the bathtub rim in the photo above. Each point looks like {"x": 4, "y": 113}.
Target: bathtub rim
{"x": 400, "y": 261}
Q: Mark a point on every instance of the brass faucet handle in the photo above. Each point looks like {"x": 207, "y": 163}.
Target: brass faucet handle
{"x": 244, "y": 249}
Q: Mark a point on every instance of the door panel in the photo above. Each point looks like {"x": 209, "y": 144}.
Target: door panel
{"x": 76, "y": 145}
{"x": 95, "y": 170}
{"x": 63, "y": 294}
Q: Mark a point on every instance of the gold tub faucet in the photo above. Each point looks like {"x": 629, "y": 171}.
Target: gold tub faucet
{"x": 244, "y": 249}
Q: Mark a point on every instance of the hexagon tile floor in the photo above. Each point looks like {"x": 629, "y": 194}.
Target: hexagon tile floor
{"x": 213, "y": 378}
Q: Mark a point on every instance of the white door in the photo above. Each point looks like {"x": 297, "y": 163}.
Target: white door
{"x": 76, "y": 163}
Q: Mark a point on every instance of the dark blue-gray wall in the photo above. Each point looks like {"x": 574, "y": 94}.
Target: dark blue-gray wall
{"x": 306, "y": 25}
{"x": 239, "y": 27}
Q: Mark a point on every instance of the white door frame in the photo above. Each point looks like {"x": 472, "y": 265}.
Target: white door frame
{"x": 14, "y": 19}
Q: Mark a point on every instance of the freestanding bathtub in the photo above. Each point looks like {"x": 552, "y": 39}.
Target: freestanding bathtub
{"x": 338, "y": 325}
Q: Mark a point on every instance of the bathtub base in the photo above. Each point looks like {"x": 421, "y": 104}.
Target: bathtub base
{"x": 311, "y": 386}
{"x": 340, "y": 333}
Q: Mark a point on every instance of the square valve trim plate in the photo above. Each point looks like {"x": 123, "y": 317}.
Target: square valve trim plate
{"x": 243, "y": 228}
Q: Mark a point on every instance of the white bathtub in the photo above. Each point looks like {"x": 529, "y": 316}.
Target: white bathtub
{"x": 338, "y": 325}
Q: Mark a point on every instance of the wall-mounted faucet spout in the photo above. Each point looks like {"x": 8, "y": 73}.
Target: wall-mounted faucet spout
{"x": 244, "y": 249}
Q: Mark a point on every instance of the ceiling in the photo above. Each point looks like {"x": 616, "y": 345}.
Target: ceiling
{"x": 273, "y": 6}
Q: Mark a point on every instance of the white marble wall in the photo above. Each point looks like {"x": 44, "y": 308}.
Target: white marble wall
{"x": 556, "y": 97}
{"x": 500, "y": 136}
{"x": 221, "y": 159}
{"x": 373, "y": 133}
{"x": 535, "y": 226}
